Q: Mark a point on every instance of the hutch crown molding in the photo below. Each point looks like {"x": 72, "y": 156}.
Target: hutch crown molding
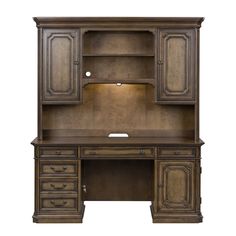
{"x": 138, "y": 77}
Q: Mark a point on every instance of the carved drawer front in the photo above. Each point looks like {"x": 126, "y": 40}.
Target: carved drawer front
{"x": 58, "y": 185}
{"x": 117, "y": 152}
{"x": 58, "y": 168}
{"x": 176, "y": 152}
{"x": 58, "y": 152}
{"x": 58, "y": 203}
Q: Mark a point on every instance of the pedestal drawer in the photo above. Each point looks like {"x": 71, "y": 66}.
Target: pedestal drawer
{"x": 58, "y": 152}
{"x": 58, "y": 168}
{"x": 58, "y": 185}
{"x": 117, "y": 152}
{"x": 176, "y": 152}
{"x": 58, "y": 203}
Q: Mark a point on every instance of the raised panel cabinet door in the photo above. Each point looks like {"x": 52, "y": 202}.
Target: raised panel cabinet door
{"x": 176, "y": 65}
{"x": 176, "y": 187}
{"x": 61, "y": 65}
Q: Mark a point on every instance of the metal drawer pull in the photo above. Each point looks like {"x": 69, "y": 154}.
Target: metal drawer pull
{"x": 58, "y": 203}
{"x": 84, "y": 188}
{"x": 59, "y": 170}
{"x": 58, "y": 187}
{"x": 177, "y": 152}
{"x": 58, "y": 152}
{"x": 92, "y": 153}
{"x": 141, "y": 152}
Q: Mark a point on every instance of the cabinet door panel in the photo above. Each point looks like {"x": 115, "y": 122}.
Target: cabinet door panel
{"x": 61, "y": 69}
{"x": 176, "y": 65}
{"x": 176, "y": 185}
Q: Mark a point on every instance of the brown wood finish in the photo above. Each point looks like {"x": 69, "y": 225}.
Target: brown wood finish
{"x": 176, "y": 65}
{"x": 61, "y": 63}
{"x": 112, "y": 42}
{"x": 123, "y": 152}
{"x": 176, "y": 185}
{"x": 131, "y": 180}
{"x": 156, "y": 60}
{"x": 130, "y": 108}
{"x": 176, "y": 152}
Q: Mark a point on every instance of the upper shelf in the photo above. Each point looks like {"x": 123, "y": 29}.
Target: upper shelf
{"x": 118, "y": 55}
{"x": 118, "y": 43}
{"x": 118, "y": 81}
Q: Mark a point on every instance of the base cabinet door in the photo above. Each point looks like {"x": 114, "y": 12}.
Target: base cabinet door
{"x": 175, "y": 186}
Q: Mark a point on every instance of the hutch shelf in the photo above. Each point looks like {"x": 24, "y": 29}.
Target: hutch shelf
{"x": 135, "y": 78}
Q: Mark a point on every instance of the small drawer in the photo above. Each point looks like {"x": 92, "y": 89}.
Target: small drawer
{"x": 58, "y": 168}
{"x": 117, "y": 152}
{"x": 58, "y": 152}
{"x": 58, "y": 204}
{"x": 176, "y": 152}
{"x": 58, "y": 185}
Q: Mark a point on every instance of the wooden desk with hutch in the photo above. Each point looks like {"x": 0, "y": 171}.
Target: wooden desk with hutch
{"x": 100, "y": 76}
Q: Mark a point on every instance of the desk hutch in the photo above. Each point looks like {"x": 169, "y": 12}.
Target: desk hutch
{"x": 103, "y": 76}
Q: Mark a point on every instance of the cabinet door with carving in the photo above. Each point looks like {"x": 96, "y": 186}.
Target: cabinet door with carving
{"x": 60, "y": 66}
{"x": 175, "y": 186}
{"x": 176, "y": 74}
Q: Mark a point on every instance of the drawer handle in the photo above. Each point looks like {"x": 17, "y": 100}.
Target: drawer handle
{"x": 84, "y": 188}
{"x": 92, "y": 153}
{"x": 61, "y": 170}
{"x": 141, "y": 152}
{"x": 58, "y": 187}
{"x": 58, "y": 203}
{"x": 58, "y": 152}
{"x": 177, "y": 152}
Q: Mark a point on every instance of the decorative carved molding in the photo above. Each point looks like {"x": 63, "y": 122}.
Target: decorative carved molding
{"x": 166, "y": 202}
{"x": 70, "y": 36}
{"x": 168, "y": 37}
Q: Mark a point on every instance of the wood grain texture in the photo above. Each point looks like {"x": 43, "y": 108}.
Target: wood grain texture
{"x": 157, "y": 62}
{"x": 176, "y": 65}
{"x": 128, "y": 22}
{"x": 176, "y": 186}
{"x": 131, "y": 180}
{"x": 118, "y": 42}
{"x": 119, "y": 68}
{"x": 60, "y": 65}
{"x": 111, "y": 108}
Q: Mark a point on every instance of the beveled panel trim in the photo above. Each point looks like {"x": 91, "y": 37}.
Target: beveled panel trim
{"x": 50, "y": 39}
{"x": 167, "y": 38}
{"x": 171, "y": 197}
{"x": 71, "y": 93}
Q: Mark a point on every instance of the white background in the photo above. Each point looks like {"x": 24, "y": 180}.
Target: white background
{"x": 18, "y": 64}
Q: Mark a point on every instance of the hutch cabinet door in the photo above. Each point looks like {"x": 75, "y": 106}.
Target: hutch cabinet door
{"x": 60, "y": 65}
{"x": 176, "y": 65}
{"x": 176, "y": 187}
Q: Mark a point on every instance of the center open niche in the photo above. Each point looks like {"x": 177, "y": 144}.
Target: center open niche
{"x": 128, "y": 108}
{"x": 118, "y": 56}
